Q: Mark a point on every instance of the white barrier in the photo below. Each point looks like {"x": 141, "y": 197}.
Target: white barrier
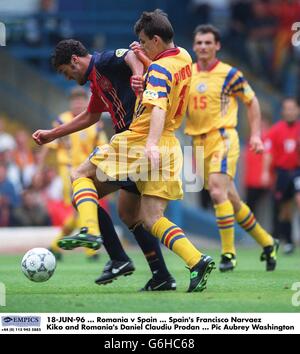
{"x": 20, "y": 239}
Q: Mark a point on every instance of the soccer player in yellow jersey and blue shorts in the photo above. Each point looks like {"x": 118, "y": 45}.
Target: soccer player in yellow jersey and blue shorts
{"x": 211, "y": 121}
{"x": 149, "y": 146}
{"x": 70, "y": 152}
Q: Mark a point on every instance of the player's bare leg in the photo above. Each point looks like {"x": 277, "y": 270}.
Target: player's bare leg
{"x": 129, "y": 207}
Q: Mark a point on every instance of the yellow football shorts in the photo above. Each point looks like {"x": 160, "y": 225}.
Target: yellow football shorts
{"x": 124, "y": 159}
{"x": 221, "y": 152}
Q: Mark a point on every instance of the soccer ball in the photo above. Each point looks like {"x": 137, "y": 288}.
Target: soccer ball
{"x": 38, "y": 264}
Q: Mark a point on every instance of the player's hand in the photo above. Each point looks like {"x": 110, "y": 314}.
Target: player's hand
{"x": 137, "y": 84}
{"x": 256, "y": 144}
{"x": 152, "y": 152}
{"x": 135, "y": 47}
{"x": 140, "y": 53}
{"x": 43, "y": 136}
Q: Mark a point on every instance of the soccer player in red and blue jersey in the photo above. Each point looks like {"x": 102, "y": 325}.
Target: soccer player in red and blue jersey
{"x": 110, "y": 74}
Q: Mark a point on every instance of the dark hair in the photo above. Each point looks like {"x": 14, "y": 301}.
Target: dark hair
{"x": 207, "y": 28}
{"x": 65, "y": 49}
{"x": 155, "y": 23}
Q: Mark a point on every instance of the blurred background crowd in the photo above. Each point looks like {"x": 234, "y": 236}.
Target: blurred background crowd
{"x": 256, "y": 32}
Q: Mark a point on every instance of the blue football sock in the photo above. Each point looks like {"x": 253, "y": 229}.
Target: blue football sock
{"x": 111, "y": 240}
{"x": 151, "y": 249}
{"x": 285, "y": 229}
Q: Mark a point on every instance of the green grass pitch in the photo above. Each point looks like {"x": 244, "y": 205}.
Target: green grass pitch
{"x": 71, "y": 289}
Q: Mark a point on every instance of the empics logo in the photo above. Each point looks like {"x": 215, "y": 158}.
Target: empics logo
{"x": 2, "y": 35}
{"x": 296, "y": 35}
{"x": 21, "y": 321}
{"x": 2, "y": 294}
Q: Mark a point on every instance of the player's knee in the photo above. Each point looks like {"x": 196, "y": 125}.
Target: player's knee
{"x": 75, "y": 174}
{"x": 150, "y": 220}
{"x": 217, "y": 195}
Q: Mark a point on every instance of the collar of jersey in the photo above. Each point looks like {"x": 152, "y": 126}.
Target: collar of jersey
{"x": 210, "y": 68}
{"x": 167, "y": 53}
{"x": 90, "y": 67}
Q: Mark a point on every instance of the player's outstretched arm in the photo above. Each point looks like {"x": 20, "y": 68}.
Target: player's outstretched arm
{"x": 82, "y": 121}
{"x": 137, "y": 69}
{"x": 254, "y": 116}
{"x": 134, "y": 63}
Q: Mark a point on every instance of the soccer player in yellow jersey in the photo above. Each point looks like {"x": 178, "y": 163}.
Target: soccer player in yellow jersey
{"x": 149, "y": 142}
{"x": 70, "y": 152}
{"x": 211, "y": 121}
{"x": 73, "y": 149}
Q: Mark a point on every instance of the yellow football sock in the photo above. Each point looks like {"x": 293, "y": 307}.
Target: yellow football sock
{"x": 248, "y": 222}
{"x": 85, "y": 198}
{"x": 89, "y": 252}
{"x": 225, "y": 221}
{"x": 173, "y": 237}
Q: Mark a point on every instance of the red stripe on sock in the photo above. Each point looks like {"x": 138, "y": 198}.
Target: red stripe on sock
{"x": 83, "y": 195}
{"x": 172, "y": 233}
{"x": 250, "y": 222}
{"x": 225, "y": 222}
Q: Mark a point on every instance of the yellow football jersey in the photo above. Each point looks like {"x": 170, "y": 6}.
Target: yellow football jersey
{"x": 213, "y": 98}
{"x": 167, "y": 83}
{"x": 73, "y": 149}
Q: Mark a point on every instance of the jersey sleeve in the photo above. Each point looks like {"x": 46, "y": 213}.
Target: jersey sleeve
{"x": 236, "y": 85}
{"x": 158, "y": 86}
{"x": 113, "y": 59}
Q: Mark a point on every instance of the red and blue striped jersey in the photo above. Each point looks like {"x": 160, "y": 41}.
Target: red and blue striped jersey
{"x": 109, "y": 77}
